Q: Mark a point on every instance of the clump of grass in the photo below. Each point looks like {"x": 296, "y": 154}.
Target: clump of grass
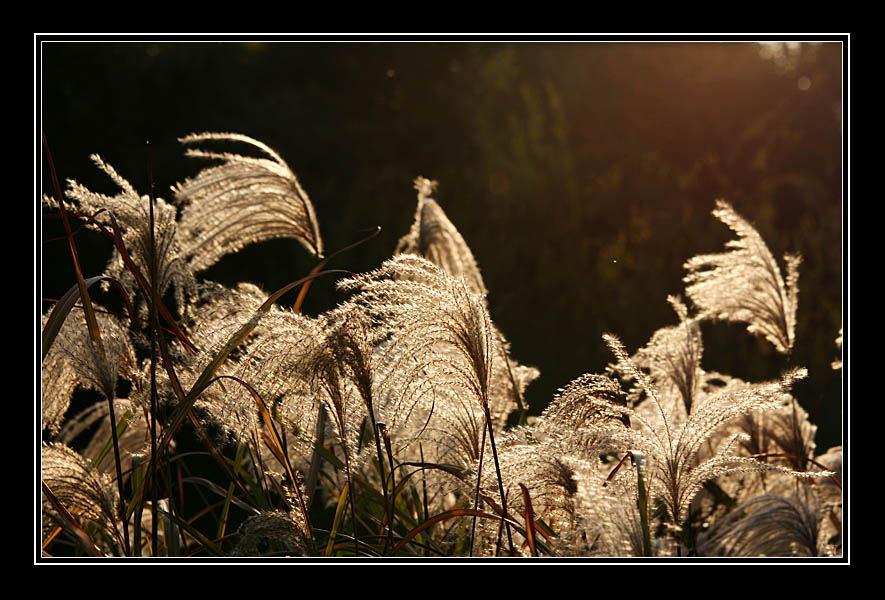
{"x": 379, "y": 427}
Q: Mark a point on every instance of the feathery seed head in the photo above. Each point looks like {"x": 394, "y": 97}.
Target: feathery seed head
{"x": 745, "y": 284}
{"x": 88, "y": 495}
{"x": 241, "y": 201}
{"x": 132, "y": 213}
{"x": 73, "y": 360}
{"x": 434, "y": 237}
{"x": 591, "y": 401}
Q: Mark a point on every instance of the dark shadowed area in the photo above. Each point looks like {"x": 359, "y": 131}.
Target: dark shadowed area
{"x": 581, "y": 174}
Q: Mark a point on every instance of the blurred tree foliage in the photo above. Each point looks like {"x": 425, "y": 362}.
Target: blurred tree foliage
{"x": 581, "y": 174}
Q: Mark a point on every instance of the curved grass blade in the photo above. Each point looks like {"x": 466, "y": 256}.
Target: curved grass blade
{"x": 208, "y": 373}
{"x": 145, "y": 287}
{"x": 229, "y": 496}
{"x": 60, "y": 310}
{"x": 642, "y": 501}
{"x": 500, "y": 512}
{"x": 339, "y": 516}
{"x": 91, "y": 322}
{"x": 529, "y": 520}
{"x": 278, "y": 446}
{"x": 303, "y": 292}
{"x": 208, "y": 544}
{"x": 443, "y": 516}
{"x": 75, "y": 528}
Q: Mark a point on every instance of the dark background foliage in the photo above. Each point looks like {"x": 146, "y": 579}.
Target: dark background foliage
{"x": 581, "y": 174}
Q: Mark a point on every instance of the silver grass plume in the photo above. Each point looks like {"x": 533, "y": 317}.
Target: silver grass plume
{"x": 557, "y": 459}
{"x": 90, "y": 496}
{"x": 561, "y": 467}
{"x": 786, "y": 430}
{"x": 241, "y": 201}
{"x": 673, "y": 448}
{"x": 438, "y": 359}
{"x": 745, "y": 284}
{"x": 271, "y": 360}
{"x": 782, "y": 435}
{"x": 589, "y": 402}
{"x": 217, "y": 313}
{"x": 548, "y": 479}
{"x": 438, "y": 330}
{"x": 586, "y": 420}
{"x": 673, "y": 356}
{"x": 434, "y": 237}
{"x": 272, "y": 533}
{"x": 73, "y": 361}
{"x": 132, "y": 213}
{"x": 339, "y": 368}
{"x": 768, "y": 525}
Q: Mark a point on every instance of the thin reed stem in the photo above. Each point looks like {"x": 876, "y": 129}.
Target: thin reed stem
{"x": 482, "y": 447}
{"x": 498, "y": 473}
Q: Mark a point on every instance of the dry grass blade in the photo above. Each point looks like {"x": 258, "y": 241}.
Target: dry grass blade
{"x": 78, "y": 532}
{"x": 91, "y": 322}
{"x": 303, "y": 292}
{"x": 449, "y": 514}
{"x": 617, "y": 468}
{"x": 529, "y": 520}
{"x": 277, "y": 446}
{"x": 234, "y": 341}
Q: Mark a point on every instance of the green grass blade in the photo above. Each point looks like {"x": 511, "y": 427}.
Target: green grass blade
{"x": 340, "y": 510}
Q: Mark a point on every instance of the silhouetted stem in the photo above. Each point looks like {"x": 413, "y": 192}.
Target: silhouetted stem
{"x": 482, "y": 446}
{"x": 498, "y": 473}
{"x": 380, "y": 430}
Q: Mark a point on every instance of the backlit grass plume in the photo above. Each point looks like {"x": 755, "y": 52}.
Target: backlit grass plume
{"x": 673, "y": 356}
{"x": 769, "y": 525}
{"x": 673, "y": 448}
{"x": 87, "y": 495}
{"x": 241, "y": 201}
{"x": 440, "y": 333}
{"x": 434, "y": 237}
{"x": 131, "y": 212}
{"x": 437, "y": 331}
{"x": 74, "y": 361}
{"x": 745, "y": 284}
